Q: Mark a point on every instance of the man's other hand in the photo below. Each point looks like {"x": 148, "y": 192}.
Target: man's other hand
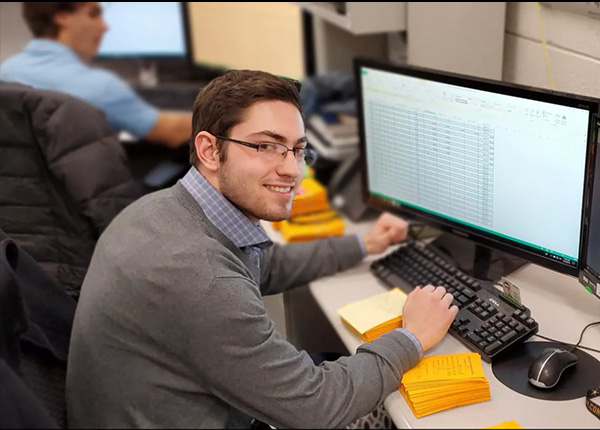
{"x": 388, "y": 229}
{"x": 427, "y": 314}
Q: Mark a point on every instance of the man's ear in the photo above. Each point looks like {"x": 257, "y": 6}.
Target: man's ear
{"x": 207, "y": 151}
{"x": 61, "y": 19}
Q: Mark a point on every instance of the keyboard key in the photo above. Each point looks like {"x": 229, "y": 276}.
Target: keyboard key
{"x": 490, "y": 349}
{"x": 476, "y": 286}
{"x": 469, "y": 293}
{"x": 508, "y": 336}
{"x": 463, "y": 299}
{"x": 463, "y": 329}
{"x": 473, "y": 338}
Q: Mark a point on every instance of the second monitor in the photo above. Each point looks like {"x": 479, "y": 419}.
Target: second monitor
{"x": 144, "y": 30}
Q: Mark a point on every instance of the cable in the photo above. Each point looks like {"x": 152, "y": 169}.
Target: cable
{"x": 544, "y": 47}
{"x": 573, "y": 347}
{"x": 566, "y": 343}
{"x": 583, "y": 331}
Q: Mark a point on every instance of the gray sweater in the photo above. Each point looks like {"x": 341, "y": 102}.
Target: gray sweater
{"x": 171, "y": 331}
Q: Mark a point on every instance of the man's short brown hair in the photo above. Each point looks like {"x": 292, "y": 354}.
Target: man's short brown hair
{"x": 39, "y": 16}
{"x": 221, "y": 104}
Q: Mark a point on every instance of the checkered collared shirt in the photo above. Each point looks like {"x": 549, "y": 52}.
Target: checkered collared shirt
{"x": 244, "y": 234}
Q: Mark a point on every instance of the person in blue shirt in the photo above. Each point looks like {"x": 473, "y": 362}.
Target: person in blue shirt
{"x": 67, "y": 36}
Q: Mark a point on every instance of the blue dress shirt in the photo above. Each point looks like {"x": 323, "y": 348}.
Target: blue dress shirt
{"x": 54, "y": 66}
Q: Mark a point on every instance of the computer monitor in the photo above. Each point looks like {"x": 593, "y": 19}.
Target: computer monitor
{"x": 144, "y": 30}
{"x": 590, "y": 256}
{"x": 500, "y": 165}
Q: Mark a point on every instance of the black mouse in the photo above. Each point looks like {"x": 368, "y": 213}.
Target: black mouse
{"x": 548, "y": 367}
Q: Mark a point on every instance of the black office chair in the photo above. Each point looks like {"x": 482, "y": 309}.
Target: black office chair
{"x": 64, "y": 178}
{"x": 36, "y": 317}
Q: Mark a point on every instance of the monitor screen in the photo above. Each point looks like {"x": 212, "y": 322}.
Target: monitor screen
{"x": 145, "y": 29}
{"x": 590, "y": 275}
{"x": 499, "y": 164}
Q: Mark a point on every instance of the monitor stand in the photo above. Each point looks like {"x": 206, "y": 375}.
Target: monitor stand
{"x": 476, "y": 260}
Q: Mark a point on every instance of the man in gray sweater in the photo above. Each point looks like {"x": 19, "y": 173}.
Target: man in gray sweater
{"x": 171, "y": 330}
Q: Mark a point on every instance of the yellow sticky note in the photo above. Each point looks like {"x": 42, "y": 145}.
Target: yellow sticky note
{"x": 367, "y": 314}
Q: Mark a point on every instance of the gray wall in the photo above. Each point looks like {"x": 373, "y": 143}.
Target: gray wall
{"x": 573, "y": 43}
{"x": 14, "y": 34}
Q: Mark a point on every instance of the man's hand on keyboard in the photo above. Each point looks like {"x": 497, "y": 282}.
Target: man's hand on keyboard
{"x": 427, "y": 314}
{"x": 388, "y": 229}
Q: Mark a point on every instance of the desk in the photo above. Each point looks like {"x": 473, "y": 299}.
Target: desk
{"x": 558, "y": 302}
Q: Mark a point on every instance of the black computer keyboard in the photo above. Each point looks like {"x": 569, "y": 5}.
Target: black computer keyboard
{"x": 171, "y": 97}
{"x": 487, "y": 322}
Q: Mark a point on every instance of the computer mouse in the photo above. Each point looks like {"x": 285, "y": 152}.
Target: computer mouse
{"x": 545, "y": 371}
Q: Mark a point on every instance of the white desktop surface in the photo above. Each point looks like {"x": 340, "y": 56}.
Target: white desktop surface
{"x": 559, "y": 304}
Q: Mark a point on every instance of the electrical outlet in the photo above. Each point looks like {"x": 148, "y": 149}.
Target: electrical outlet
{"x": 588, "y": 8}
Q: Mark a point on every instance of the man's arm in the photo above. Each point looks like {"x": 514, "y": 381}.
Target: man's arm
{"x": 234, "y": 348}
{"x": 288, "y": 266}
{"x": 171, "y": 128}
{"x": 126, "y": 110}
{"x": 285, "y": 267}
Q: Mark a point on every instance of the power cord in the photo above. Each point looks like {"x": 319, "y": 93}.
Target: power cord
{"x": 573, "y": 347}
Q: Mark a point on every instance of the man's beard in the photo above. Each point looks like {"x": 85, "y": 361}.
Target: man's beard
{"x": 249, "y": 206}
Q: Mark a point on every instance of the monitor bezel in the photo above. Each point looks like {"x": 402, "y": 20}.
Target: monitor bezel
{"x": 590, "y": 178}
{"x": 443, "y": 224}
{"x": 180, "y": 58}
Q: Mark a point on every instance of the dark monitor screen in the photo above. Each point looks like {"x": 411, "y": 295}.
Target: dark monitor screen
{"x": 498, "y": 164}
{"x": 590, "y": 275}
{"x": 144, "y": 30}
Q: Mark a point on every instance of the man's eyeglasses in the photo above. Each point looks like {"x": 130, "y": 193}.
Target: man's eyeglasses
{"x": 277, "y": 151}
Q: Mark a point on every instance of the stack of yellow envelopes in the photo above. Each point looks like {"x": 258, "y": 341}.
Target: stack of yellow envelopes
{"x": 315, "y": 225}
{"x": 372, "y": 317}
{"x": 310, "y": 197}
{"x": 444, "y": 382}
{"x": 311, "y": 216}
